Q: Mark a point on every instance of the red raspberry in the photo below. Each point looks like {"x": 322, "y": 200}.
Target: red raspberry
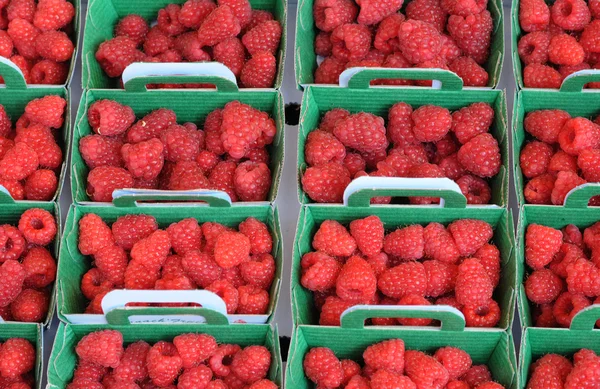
{"x": 185, "y": 236}
{"x": 489, "y": 257}
{"x": 264, "y": 37}
{"x": 38, "y": 226}
{"x": 252, "y": 181}
{"x": 487, "y": 315}
{"x": 328, "y": 71}
{"x": 424, "y": 370}
{"x": 112, "y": 262}
{"x": 53, "y": 14}
{"x": 455, "y": 360}
{"x": 207, "y": 160}
{"x": 404, "y": 279}
{"x": 333, "y": 239}
{"x": 382, "y": 379}
{"x": 54, "y": 45}
{"x": 5, "y": 122}
{"x": 543, "y": 286}
{"x": 428, "y": 11}
{"x": 97, "y": 150}
{"x": 326, "y": 183}
{"x": 579, "y": 134}
{"x": 322, "y": 44}
{"x": 471, "y": 121}
{"x": 23, "y": 35}
{"x": 450, "y": 53}
{"x": 40, "y": 268}
{"x": 201, "y": 268}
{"x": 439, "y": 244}
{"x": 219, "y": 25}
{"x": 108, "y": 117}
{"x": 541, "y": 76}
{"x": 363, "y": 132}
{"x": 48, "y": 111}
{"x": 187, "y": 175}
{"x": 565, "y": 182}
{"x": 386, "y": 38}
{"x": 168, "y": 20}
{"x": 231, "y": 53}
{"x": 331, "y": 118}
{"x": 133, "y": 363}
{"x": 400, "y": 125}
{"x": 89, "y": 371}
{"x": 253, "y": 300}
{"x": 567, "y": 305}
{"x": 387, "y": 355}
{"x": 431, "y": 123}
{"x": 546, "y": 125}
{"x": 189, "y": 47}
{"x": 257, "y": 17}
{"x": 534, "y": 15}
{"x": 419, "y": 41}
{"x": 329, "y": 14}
{"x": 17, "y": 357}
{"x": 157, "y": 42}
{"x": 12, "y": 275}
{"x": 323, "y": 147}
{"x": 6, "y": 49}
{"x": 582, "y": 356}
{"x": 425, "y": 170}
{"x": 251, "y": 364}
{"x": 259, "y": 235}
{"x": 477, "y": 375}
{"x": 472, "y": 34}
{"x": 332, "y": 310}
{"x": 231, "y": 249}
{"x": 259, "y": 271}
{"x": 405, "y": 243}
{"x": 464, "y": 7}
{"x": 351, "y": 42}
{"x": 470, "y": 235}
{"x": 94, "y": 284}
{"x": 322, "y": 367}
{"x": 584, "y": 374}
{"x": 350, "y": 368}
{"x": 373, "y": 12}
{"x": 48, "y": 72}
{"x": 568, "y": 254}
{"x": 533, "y": 47}
{"x": 30, "y": 306}
{"x": 565, "y": 50}
{"x": 40, "y": 139}
{"x": 473, "y": 286}
{"x": 319, "y": 271}
{"x": 589, "y": 38}
{"x": 116, "y": 54}
{"x": 152, "y": 251}
{"x": 104, "y": 348}
{"x": 181, "y": 144}
{"x": 368, "y": 234}
{"x": 591, "y": 235}
{"x": 356, "y": 281}
{"x": 475, "y": 189}
{"x": 244, "y": 126}
{"x": 562, "y": 161}
{"x": 562, "y": 365}
{"x": 589, "y": 162}
{"x": 481, "y": 156}
{"x": 12, "y": 243}
{"x": 134, "y": 27}
{"x": 583, "y": 277}
{"x": 535, "y": 158}
{"x": 194, "y": 349}
{"x": 164, "y": 363}
{"x": 195, "y": 377}
{"x": 571, "y": 14}
{"x": 193, "y": 12}
{"x": 441, "y": 278}
{"x": 572, "y": 235}
{"x": 541, "y": 244}
{"x": 145, "y": 159}
{"x": 222, "y": 178}
{"x": 23, "y": 9}
{"x": 14, "y": 188}
{"x": 129, "y": 229}
{"x": 103, "y": 180}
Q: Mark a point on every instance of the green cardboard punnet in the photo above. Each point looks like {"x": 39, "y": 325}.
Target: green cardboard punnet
{"x": 33, "y": 333}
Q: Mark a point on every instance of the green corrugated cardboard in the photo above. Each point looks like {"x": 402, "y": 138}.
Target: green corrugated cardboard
{"x": 103, "y": 15}
{"x": 73, "y": 265}
{"x": 359, "y": 97}
{"x": 11, "y": 213}
{"x": 569, "y": 98}
{"x": 190, "y": 106}
{"x": 63, "y": 359}
{"x": 574, "y": 212}
{"x": 33, "y": 333}
{"x": 305, "y": 59}
{"x": 15, "y": 96}
{"x": 493, "y": 348}
{"x": 311, "y": 217}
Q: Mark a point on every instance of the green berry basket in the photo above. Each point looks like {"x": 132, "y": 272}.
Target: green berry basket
{"x": 63, "y": 359}
{"x": 575, "y": 211}
{"x": 73, "y": 265}
{"x": 358, "y": 96}
{"x": 15, "y": 96}
{"x": 103, "y": 16}
{"x": 493, "y": 348}
{"x": 304, "y": 311}
{"x": 33, "y": 333}
{"x": 11, "y": 212}
{"x": 305, "y": 59}
{"x": 189, "y": 105}
{"x": 570, "y": 98}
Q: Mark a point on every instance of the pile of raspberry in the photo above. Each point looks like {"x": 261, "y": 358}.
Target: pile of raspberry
{"x": 388, "y": 364}
{"x": 228, "y": 31}
{"x": 557, "y": 371}
{"x": 30, "y": 157}
{"x": 134, "y": 253}
{"x": 445, "y": 34}
{"x": 564, "y": 154}
{"x": 230, "y": 154}
{"x": 564, "y": 275}
{"x": 426, "y": 142}
{"x": 412, "y": 265}
{"x": 190, "y": 361}
{"x": 559, "y": 39}
{"x": 27, "y": 268}
{"x": 37, "y": 37}
{"x": 17, "y": 364}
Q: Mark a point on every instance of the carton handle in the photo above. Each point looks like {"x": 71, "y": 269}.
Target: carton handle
{"x": 451, "y": 318}
{"x": 213, "y": 308}
{"x": 124, "y": 198}
{"x": 139, "y": 74}
{"x": 5, "y": 197}
{"x": 580, "y": 196}
{"x": 576, "y": 81}
{"x": 585, "y": 320}
{"x": 360, "y": 77}
{"x": 361, "y": 190}
{"x": 12, "y": 75}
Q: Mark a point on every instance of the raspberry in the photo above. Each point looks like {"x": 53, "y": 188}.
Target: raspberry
{"x": 30, "y": 306}
{"x": 116, "y": 54}
{"x": 5, "y": 122}
{"x": 181, "y": 144}
{"x": 53, "y": 14}
{"x": 589, "y": 38}
{"x": 387, "y": 355}
{"x": 257, "y": 17}
{"x": 104, "y": 348}
{"x": 533, "y": 47}
{"x": 562, "y": 364}
{"x": 329, "y": 14}
{"x": 93, "y": 284}
{"x": 562, "y": 161}
{"x": 231, "y": 249}
{"x": 546, "y": 125}
{"x": 431, "y": 123}
{"x": 373, "y": 12}
{"x": 168, "y": 20}
{"x": 38, "y": 226}
{"x": 568, "y": 254}
{"x": 23, "y": 35}
{"x": 23, "y": 9}
{"x": 475, "y": 189}
{"x": 12, "y": 275}
{"x": 134, "y": 27}
{"x": 40, "y": 139}
{"x": 582, "y": 356}
{"x": 565, "y": 182}
{"x": 194, "y": 349}
{"x": 331, "y": 311}
{"x": 405, "y": 243}
{"x": 187, "y": 175}
{"x": 583, "y": 277}
{"x": 565, "y": 50}
{"x": 441, "y": 278}
{"x": 470, "y": 235}
{"x": 350, "y": 42}
{"x": 450, "y": 53}
{"x": 322, "y": 44}
{"x": 97, "y": 150}
{"x": 14, "y": 188}
{"x": 157, "y": 42}
{"x": 486, "y": 315}
{"x": 584, "y": 374}
{"x": 489, "y": 257}
{"x": 567, "y": 305}
{"x": 589, "y": 161}
{"x": 319, "y": 271}
{"x": 413, "y": 299}
{"x": 472, "y": 34}
{"x": 326, "y": 183}
{"x": 571, "y": 14}
{"x": 13, "y": 243}
{"x": 195, "y": 377}
{"x": 252, "y": 181}
{"x": 473, "y": 286}
{"x": 201, "y": 268}
{"x": 164, "y": 363}
{"x": 47, "y": 111}
{"x": 231, "y": 53}
{"x": 259, "y": 235}
{"x": 333, "y": 239}
{"x": 133, "y": 363}
{"x": 129, "y": 229}
{"x": 243, "y": 127}
{"x": 323, "y": 147}
{"x": 455, "y": 360}
{"x": 439, "y": 244}
{"x": 476, "y": 375}
{"x": 331, "y": 118}
{"x": 145, "y": 159}
{"x": 108, "y": 117}
{"x": 481, "y": 156}
{"x": 322, "y": 367}
{"x": 470, "y": 121}
{"x": 386, "y": 37}
{"x": 428, "y": 11}
{"x": 48, "y": 72}
{"x": 543, "y": 286}
{"x": 193, "y": 12}
{"x": 152, "y": 251}
{"x": 328, "y": 71}
{"x": 112, "y": 262}
{"x": 464, "y": 8}
{"x": 40, "y": 268}
{"x": 103, "y": 180}
{"x": 185, "y": 235}
{"x": 350, "y": 368}
{"x": 219, "y": 25}
{"x": 579, "y": 134}
{"x": 264, "y": 37}
{"x": 404, "y": 279}
{"x": 368, "y": 234}
{"x": 222, "y": 178}
{"x": 419, "y": 41}
{"x": 222, "y": 352}
{"x": 363, "y": 132}
{"x": 591, "y": 235}
{"x": 541, "y": 244}
{"x": 89, "y": 371}
{"x": 572, "y": 235}
{"x": 356, "y": 281}
{"x": 541, "y": 76}
{"x": 382, "y": 379}
{"x": 54, "y": 45}
{"x": 535, "y": 158}
{"x": 251, "y": 364}
{"x": 17, "y": 357}
{"x": 424, "y": 370}
{"x": 253, "y": 300}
